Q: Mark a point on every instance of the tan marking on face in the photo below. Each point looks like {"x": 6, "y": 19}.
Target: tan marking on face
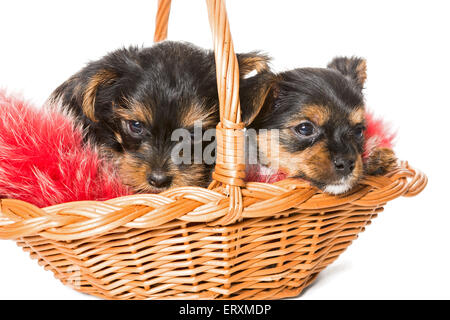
{"x": 358, "y": 172}
{"x": 313, "y": 163}
{"x": 194, "y": 175}
{"x": 134, "y": 111}
{"x": 102, "y": 77}
{"x": 134, "y": 172}
{"x": 315, "y": 113}
{"x": 357, "y": 116}
{"x": 198, "y": 112}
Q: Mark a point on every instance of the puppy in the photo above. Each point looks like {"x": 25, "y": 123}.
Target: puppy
{"x": 319, "y": 121}
{"x": 132, "y": 100}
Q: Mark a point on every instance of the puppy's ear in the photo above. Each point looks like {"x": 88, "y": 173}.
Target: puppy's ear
{"x": 257, "y": 95}
{"x": 354, "y": 68}
{"x": 102, "y": 77}
{"x": 78, "y": 94}
{"x": 252, "y": 61}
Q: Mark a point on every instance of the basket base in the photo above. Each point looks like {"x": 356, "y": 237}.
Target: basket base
{"x": 261, "y": 258}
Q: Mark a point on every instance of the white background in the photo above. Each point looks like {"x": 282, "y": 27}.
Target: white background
{"x": 405, "y": 252}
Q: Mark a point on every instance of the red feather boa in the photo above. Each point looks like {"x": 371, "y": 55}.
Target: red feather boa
{"x": 378, "y": 134}
{"x": 43, "y": 160}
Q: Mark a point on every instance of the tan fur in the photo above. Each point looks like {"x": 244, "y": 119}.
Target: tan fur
{"x": 253, "y": 63}
{"x": 380, "y": 161}
{"x": 313, "y": 163}
{"x": 196, "y": 112}
{"x": 194, "y": 176}
{"x": 357, "y": 116}
{"x": 361, "y": 71}
{"x": 318, "y": 114}
{"x": 134, "y": 172}
{"x": 100, "y": 78}
{"x": 118, "y": 137}
{"x": 134, "y": 111}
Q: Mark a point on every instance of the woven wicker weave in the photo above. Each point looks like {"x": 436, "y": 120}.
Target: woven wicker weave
{"x": 232, "y": 240}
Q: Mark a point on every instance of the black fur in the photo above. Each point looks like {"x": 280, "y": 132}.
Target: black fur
{"x": 354, "y": 68}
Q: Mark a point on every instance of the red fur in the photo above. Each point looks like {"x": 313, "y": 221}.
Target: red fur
{"x": 43, "y": 160}
{"x": 256, "y": 173}
{"x": 379, "y": 134}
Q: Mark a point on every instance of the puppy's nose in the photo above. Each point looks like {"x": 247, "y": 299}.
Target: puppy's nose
{"x": 159, "y": 179}
{"x": 343, "y": 165}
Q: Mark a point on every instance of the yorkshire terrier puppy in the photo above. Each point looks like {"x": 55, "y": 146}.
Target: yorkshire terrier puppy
{"x": 319, "y": 117}
{"x": 131, "y": 101}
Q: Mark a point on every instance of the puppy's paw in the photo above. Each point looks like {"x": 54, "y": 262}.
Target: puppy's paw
{"x": 380, "y": 161}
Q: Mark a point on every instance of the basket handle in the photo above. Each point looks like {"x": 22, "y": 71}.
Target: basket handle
{"x": 162, "y": 20}
{"x": 230, "y": 164}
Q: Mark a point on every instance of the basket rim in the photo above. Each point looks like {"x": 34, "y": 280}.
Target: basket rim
{"x": 84, "y": 219}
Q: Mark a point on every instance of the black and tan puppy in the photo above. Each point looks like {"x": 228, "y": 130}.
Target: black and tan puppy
{"x": 319, "y": 119}
{"x": 132, "y": 100}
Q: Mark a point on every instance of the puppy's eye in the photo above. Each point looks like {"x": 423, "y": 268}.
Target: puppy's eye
{"x": 305, "y": 129}
{"x": 358, "y": 131}
{"x": 135, "y": 127}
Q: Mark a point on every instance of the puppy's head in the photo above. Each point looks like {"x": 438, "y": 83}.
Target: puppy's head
{"x": 141, "y": 105}
{"x": 319, "y": 117}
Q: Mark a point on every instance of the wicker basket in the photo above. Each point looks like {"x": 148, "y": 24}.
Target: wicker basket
{"x": 232, "y": 240}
